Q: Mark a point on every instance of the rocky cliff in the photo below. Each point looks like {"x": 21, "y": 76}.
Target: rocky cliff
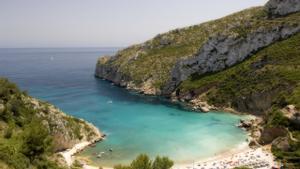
{"x": 65, "y": 130}
{"x": 277, "y": 8}
{"x": 221, "y": 52}
{"x": 32, "y": 131}
{"x": 160, "y": 65}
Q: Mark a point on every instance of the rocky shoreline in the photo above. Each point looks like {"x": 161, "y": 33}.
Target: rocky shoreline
{"x": 68, "y": 155}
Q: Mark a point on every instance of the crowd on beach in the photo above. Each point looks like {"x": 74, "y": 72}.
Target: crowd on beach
{"x": 251, "y": 158}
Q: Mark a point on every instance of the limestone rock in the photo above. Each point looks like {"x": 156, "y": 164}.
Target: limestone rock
{"x": 270, "y": 134}
{"x": 255, "y": 103}
{"x": 293, "y": 115}
{"x": 221, "y": 52}
{"x": 253, "y": 143}
{"x": 203, "y": 106}
{"x": 66, "y": 130}
{"x": 282, "y": 143}
{"x": 246, "y": 124}
{"x": 277, "y": 8}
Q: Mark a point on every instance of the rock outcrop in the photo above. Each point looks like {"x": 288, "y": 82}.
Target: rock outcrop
{"x": 271, "y": 133}
{"x": 255, "y": 103}
{"x": 293, "y": 115}
{"x": 281, "y": 143}
{"x": 276, "y": 8}
{"x": 221, "y": 52}
{"x": 110, "y": 73}
{"x": 66, "y": 130}
{"x": 245, "y": 124}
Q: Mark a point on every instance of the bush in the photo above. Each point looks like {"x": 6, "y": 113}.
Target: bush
{"x": 162, "y": 163}
{"x": 9, "y": 131}
{"x": 241, "y": 168}
{"x": 143, "y": 162}
{"x": 276, "y": 118}
{"x": 122, "y": 167}
{"x": 37, "y": 140}
{"x": 12, "y": 157}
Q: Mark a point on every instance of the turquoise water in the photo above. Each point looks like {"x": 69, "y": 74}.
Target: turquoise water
{"x": 133, "y": 123}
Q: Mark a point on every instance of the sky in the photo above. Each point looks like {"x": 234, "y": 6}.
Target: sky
{"x": 103, "y": 23}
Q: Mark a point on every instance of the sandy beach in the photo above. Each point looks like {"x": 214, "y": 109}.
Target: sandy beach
{"x": 260, "y": 158}
{"x": 68, "y": 154}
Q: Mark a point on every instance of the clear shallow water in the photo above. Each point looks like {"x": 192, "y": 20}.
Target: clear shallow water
{"x": 134, "y": 124}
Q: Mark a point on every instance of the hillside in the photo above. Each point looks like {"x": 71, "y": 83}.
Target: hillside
{"x": 159, "y": 65}
{"x": 31, "y": 131}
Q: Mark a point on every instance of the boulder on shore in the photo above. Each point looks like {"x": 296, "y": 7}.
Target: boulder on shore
{"x": 246, "y": 124}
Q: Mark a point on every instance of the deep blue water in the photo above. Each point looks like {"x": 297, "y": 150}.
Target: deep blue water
{"x": 134, "y": 124}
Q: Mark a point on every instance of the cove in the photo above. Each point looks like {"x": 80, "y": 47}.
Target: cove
{"x": 134, "y": 124}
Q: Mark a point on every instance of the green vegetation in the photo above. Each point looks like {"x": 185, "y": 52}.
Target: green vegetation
{"x": 24, "y": 141}
{"x": 275, "y": 118}
{"x": 155, "y": 58}
{"x": 144, "y": 162}
{"x": 241, "y": 168}
{"x": 273, "y": 69}
{"x": 291, "y": 157}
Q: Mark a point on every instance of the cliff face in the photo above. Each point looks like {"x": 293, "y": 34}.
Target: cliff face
{"x": 111, "y": 72}
{"x": 277, "y": 8}
{"x": 65, "y": 130}
{"x": 221, "y": 52}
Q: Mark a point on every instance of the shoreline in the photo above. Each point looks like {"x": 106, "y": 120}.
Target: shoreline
{"x": 241, "y": 151}
{"x": 68, "y": 155}
{"x": 242, "y": 155}
{"x": 194, "y": 105}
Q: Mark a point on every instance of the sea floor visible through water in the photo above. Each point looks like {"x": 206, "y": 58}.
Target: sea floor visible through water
{"x": 134, "y": 124}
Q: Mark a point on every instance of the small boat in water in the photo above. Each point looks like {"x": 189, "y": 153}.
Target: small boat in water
{"x": 100, "y": 154}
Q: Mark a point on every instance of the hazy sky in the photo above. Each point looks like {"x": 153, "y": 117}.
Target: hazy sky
{"x": 103, "y": 23}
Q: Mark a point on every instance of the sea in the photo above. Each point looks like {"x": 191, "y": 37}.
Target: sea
{"x": 134, "y": 124}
